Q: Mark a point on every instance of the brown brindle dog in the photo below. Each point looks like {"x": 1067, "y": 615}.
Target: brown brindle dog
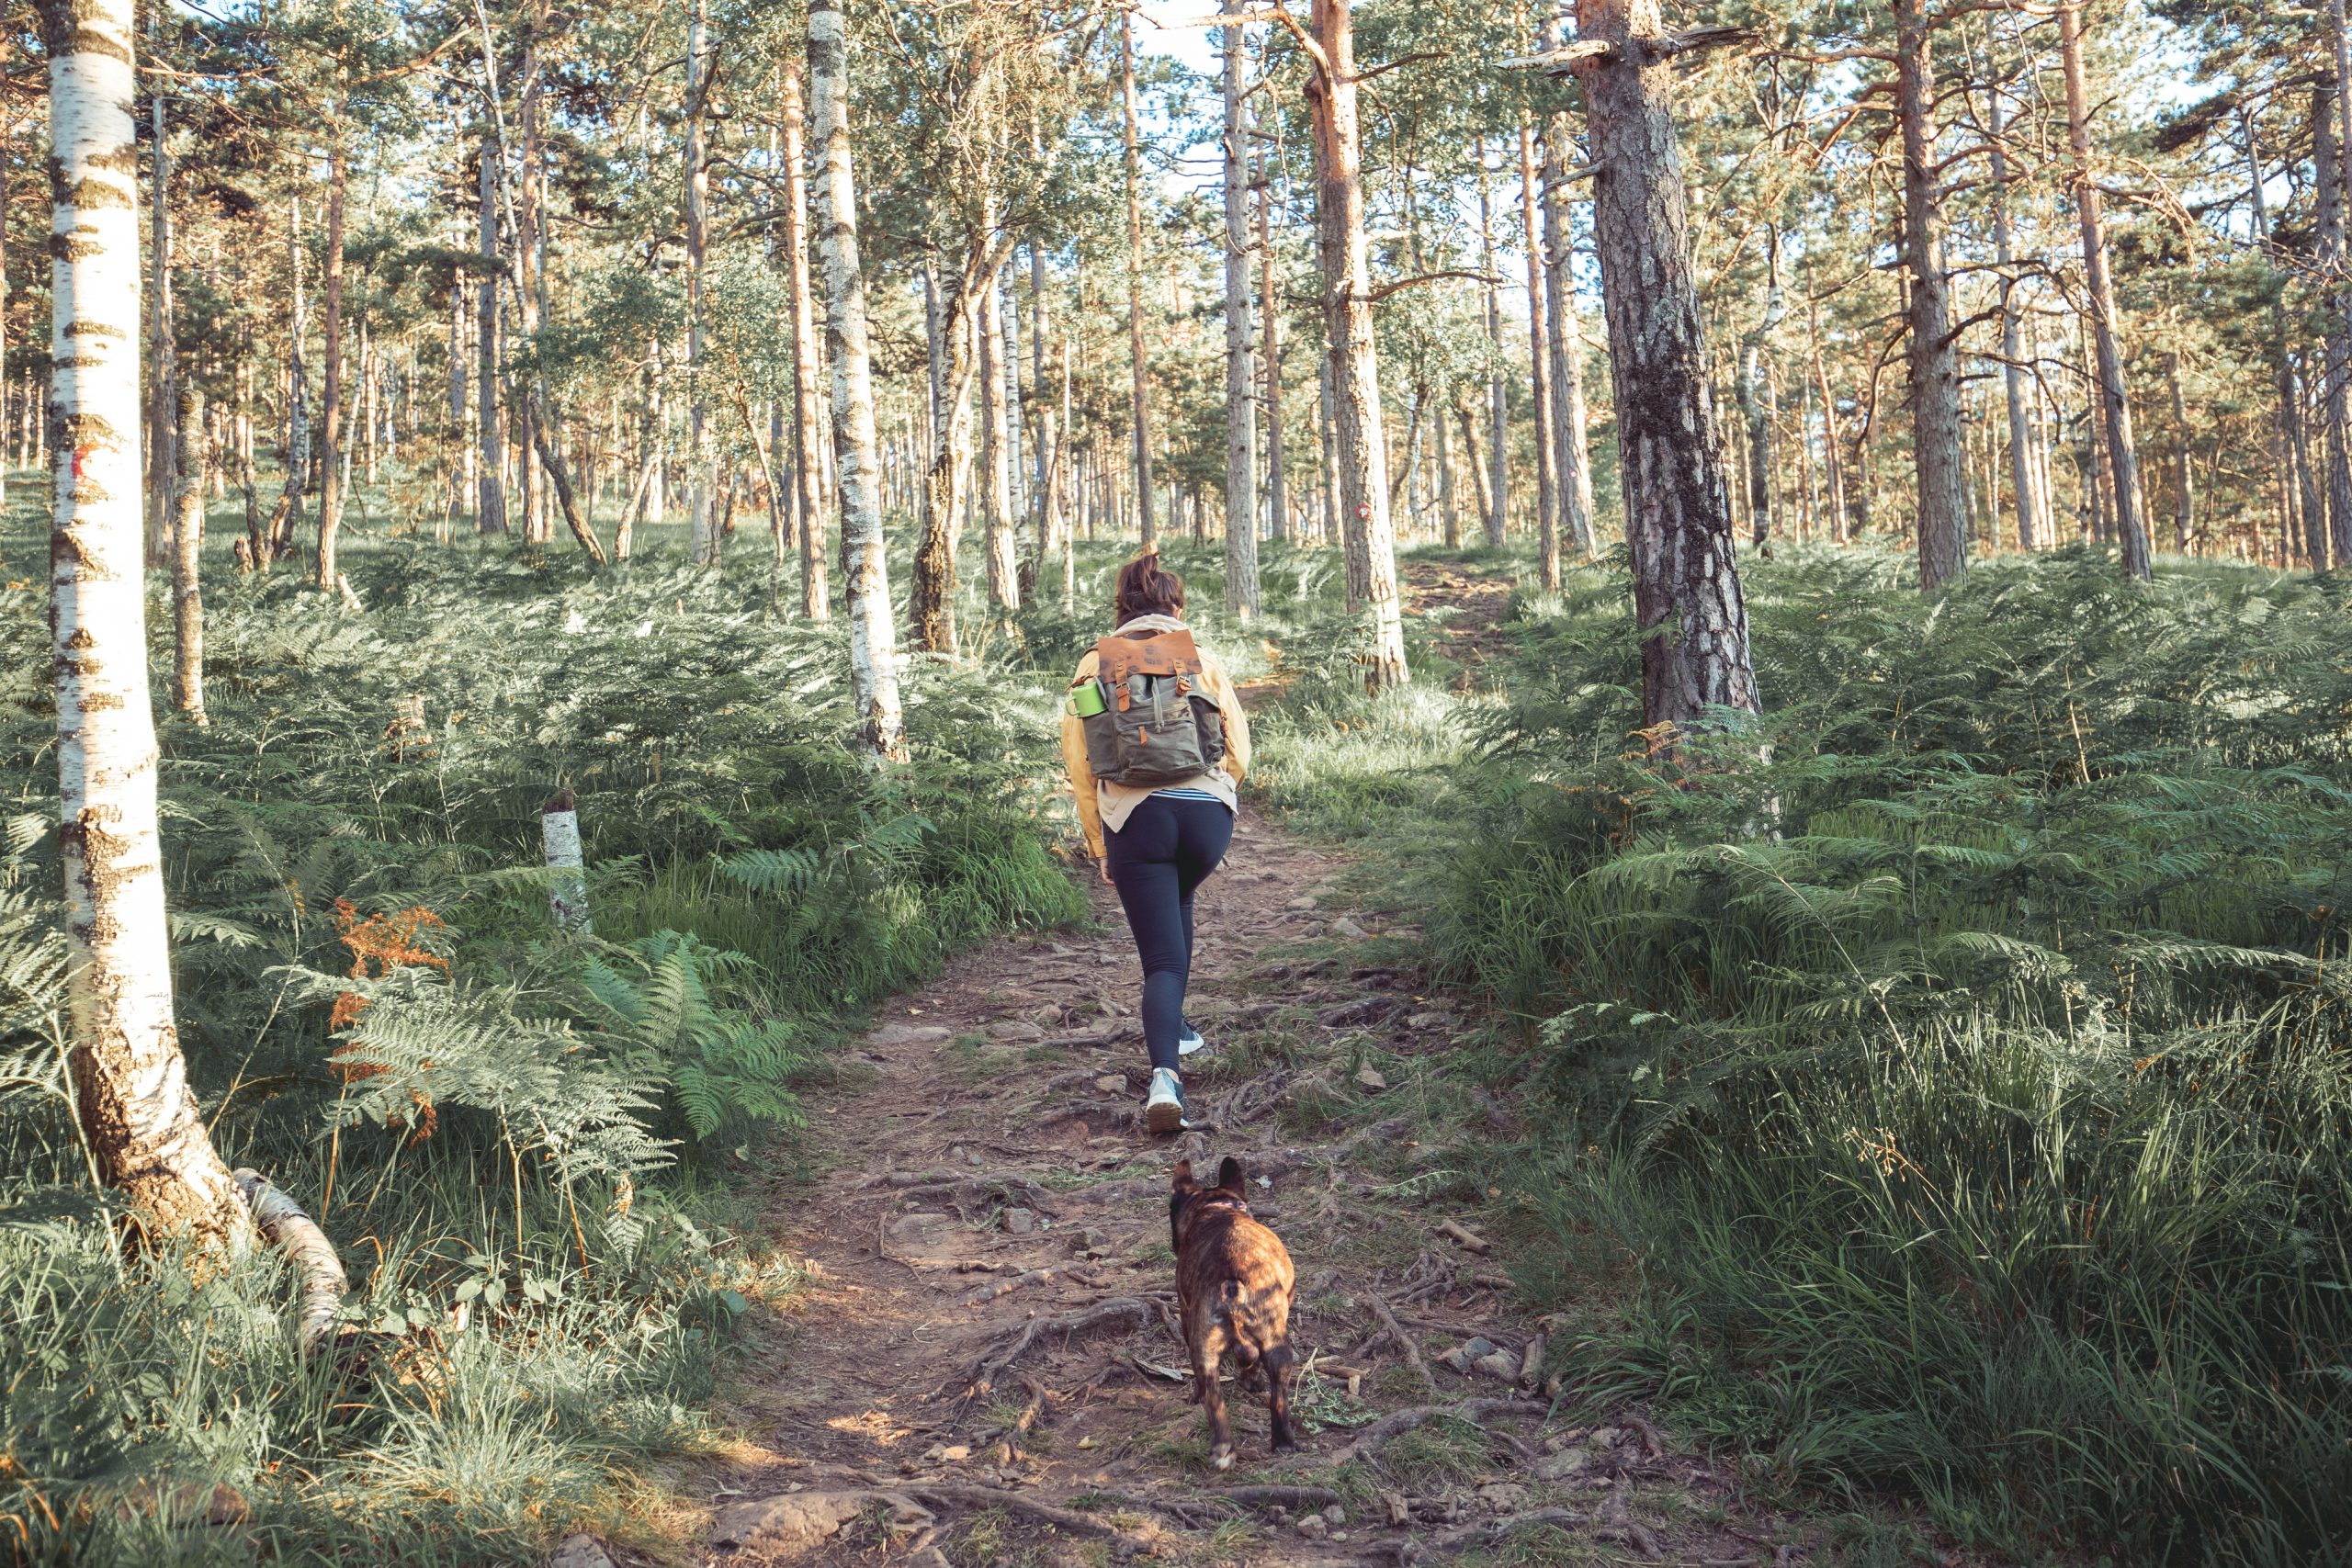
{"x": 1233, "y": 1286}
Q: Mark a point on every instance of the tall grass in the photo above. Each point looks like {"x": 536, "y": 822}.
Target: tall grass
{"x": 1949, "y": 1065}
{"x": 521, "y": 1142}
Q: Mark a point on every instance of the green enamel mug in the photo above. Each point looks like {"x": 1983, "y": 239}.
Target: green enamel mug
{"x": 1086, "y": 700}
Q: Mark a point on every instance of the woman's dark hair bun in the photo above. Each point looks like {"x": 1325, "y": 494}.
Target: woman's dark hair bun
{"x": 1146, "y": 588}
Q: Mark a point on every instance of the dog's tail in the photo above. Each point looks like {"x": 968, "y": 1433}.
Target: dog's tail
{"x": 1232, "y": 1297}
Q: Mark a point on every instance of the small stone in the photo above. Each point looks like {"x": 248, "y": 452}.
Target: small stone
{"x": 1111, "y": 1083}
{"x": 1093, "y": 1239}
{"x": 1428, "y": 1020}
{"x": 1312, "y": 1527}
{"x": 907, "y": 1034}
{"x": 1480, "y": 1345}
{"x": 956, "y": 1454}
{"x": 1015, "y": 1032}
{"x": 1502, "y": 1496}
{"x": 1347, "y": 928}
{"x": 1300, "y": 904}
{"x": 934, "y": 1453}
{"x": 1085, "y": 1442}
{"x": 1339, "y": 1536}
{"x": 1562, "y": 1465}
{"x": 1605, "y": 1436}
{"x": 1372, "y": 1078}
{"x": 1020, "y": 1222}
{"x": 1334, "y": 1514}
{"x": 1502, "y": 1366}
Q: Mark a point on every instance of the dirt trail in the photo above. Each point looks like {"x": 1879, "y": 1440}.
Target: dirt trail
{"x": 985, "y": 1370}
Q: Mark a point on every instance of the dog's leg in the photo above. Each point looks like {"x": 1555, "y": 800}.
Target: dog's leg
{"x": 1248, "y": 1373}
{"x": 1208, "y": 1351}
{"x": 1281, "y": 1370}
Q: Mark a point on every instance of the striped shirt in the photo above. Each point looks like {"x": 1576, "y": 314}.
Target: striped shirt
{"x": 1181, "y": 793}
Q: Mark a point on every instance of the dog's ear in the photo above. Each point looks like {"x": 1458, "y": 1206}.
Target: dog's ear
{"x": 1182, "y": 1179}
{"x": 1228, "y": 1175}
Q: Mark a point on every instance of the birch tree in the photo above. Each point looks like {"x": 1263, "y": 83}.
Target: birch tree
{"x": 808, "y": 466}
{"x": 138, "y": 1115}
{"x": 873, "y": 652}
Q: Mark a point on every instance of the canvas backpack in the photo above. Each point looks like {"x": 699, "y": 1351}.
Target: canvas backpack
{"x": 1156, "y": 723}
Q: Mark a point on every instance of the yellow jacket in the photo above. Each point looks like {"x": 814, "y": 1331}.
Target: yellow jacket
{"x": 1102, "y": 805}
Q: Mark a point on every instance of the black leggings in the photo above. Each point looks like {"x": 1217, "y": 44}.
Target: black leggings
{"x": 1168, "y": 848}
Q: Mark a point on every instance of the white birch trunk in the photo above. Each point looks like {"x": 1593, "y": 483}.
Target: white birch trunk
{"x": 131, "y": 1083}
{"x": 873, "y": 654}
{"x": 698, "y": 432}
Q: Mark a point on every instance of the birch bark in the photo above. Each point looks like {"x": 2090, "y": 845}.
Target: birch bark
{"x": 873, "y": 655}
{"x": 814, "y": 601}
{"x": 131, "y": 1083}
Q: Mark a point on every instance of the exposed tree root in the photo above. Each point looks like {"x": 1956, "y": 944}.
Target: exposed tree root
{"x": 940, "y": 1495}
{"x": 1138, "y": 1309}
{"x": 1370, "y": 1439}
{"x": 287, "y": 1226}
{"x": 1405, "y": 1343}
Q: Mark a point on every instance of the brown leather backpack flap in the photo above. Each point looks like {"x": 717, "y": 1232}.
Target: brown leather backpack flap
{"x": 1165, "y": 653}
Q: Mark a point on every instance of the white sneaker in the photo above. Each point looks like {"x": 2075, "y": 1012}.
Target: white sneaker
{"x": 1190, "y": 1041}
{"x": 1163, "y": 1106}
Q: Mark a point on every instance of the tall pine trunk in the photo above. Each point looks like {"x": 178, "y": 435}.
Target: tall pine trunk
{"x": 489, "y": 511}
{"x": 873, "y": 652}
{"x": 1278, "y": 523}
{"x": 2033, "y": 508}
{"x": 1547, "y": 493}
{"x": 2115, "y": 407}
{"x": 188, "y": 554}
{"x": 1687, "y": 602}
{"x": 2293, "y": 462}
{"x": 139, "y": 1118}
{"x": 1495, "y": 502}
{"x": 1240, "y": 422}
{"x": 1571, "y": 466}
{"x": 1347, "y": 321}
{"x": 1140, "y": 388}
{"x": 2339, "y": 335}
{"x": 702, "y": 528}
{"x": 163, "y": 466}
{"x": 1934, "y": 354}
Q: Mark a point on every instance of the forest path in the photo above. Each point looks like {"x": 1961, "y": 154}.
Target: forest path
{"x": 984, "y": 1370}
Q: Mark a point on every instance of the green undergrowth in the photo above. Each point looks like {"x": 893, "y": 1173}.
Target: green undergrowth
{"x": 524, "y": 1141}
{"x": 1938, "y": 1081}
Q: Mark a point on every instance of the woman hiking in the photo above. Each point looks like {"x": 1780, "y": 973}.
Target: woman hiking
{"x": 1155, "y": 742}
